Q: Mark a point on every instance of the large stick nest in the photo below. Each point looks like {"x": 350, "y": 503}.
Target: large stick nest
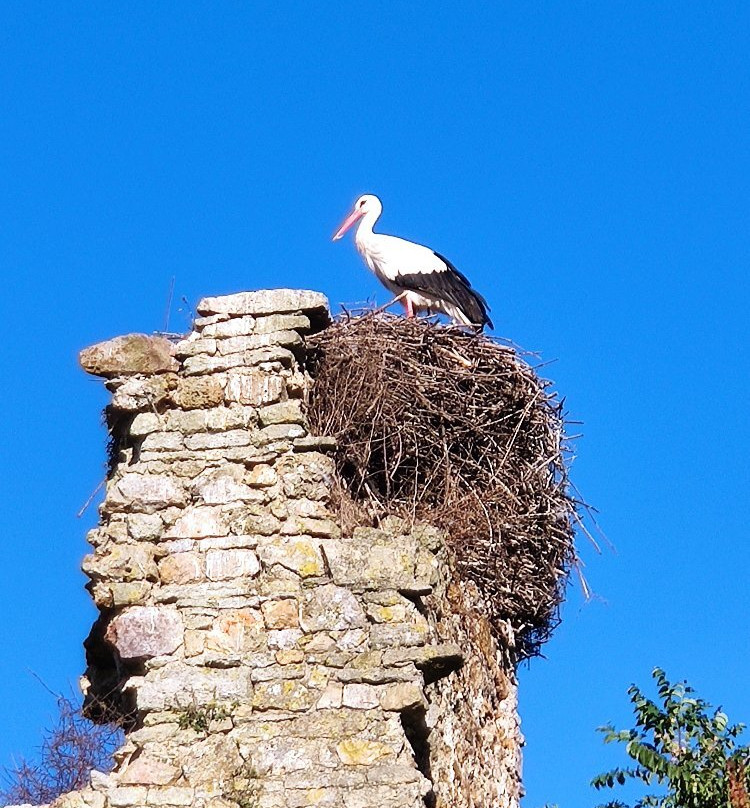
{"x": 438, "y": 424}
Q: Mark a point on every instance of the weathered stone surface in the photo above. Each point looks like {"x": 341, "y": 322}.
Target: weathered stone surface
{"x": 141, "y": 632}
{"x": 197, "y": 393}
{"x": 285, "y": 412}
{"x": 331, "y": 608}
{"x": 360, "y": 752}
{"x": 144, "y": 492}
{"x": 254, "y": 387}
{"x": 282, "y": 695}
{"x": 281, "y": 613}
{"x": 360, "y": 697}
{"x": 129, "y": 355}
{"x": 234, "y": 327}
{"x": 374, "y": 560}
{"x": 271, "y": 660}
{"x": 148, "y": 770}
{"x": 282, "y": 322}
{"x": 222, "y": 565}
{"x": 401, "y": 696}
{"x": 232, "y": 345}
{"x": 198, "y": 365}
{"x": 194, "y": 345}
{"x": 142, "y": 392}
{"x": 182, "y": 568}
{"x": 225, "y": 484}
{"x": 299, "y": 554}
{"x": 127, "y": 562}
{"x": 199, "y": 521}
{"x": 266, "y": 301}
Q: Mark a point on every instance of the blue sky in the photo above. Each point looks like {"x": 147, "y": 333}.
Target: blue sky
{"x": 585, "y": 164}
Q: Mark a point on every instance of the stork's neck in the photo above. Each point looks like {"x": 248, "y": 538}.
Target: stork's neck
{"x": 364, "y": 230}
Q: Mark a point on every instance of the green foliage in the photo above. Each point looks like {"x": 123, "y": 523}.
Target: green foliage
{"x": 683, "y": 745}
{"x": 200, "y": 718}
{"x": 245, "y": 787}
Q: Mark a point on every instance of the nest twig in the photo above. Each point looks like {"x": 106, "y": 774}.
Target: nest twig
{"x": 442, "y": 425}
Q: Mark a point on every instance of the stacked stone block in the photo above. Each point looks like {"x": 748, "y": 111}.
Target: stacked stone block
{"x": 260, "y": 658}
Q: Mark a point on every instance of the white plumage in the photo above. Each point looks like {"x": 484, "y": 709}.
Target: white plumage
{"x": 423, "y": 279}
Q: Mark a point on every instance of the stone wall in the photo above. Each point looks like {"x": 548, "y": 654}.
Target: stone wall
{"x": 259, "y": 657}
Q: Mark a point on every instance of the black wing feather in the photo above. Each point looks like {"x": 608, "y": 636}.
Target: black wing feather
{"x": 452, "y": 286}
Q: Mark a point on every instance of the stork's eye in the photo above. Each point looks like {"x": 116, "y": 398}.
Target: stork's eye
{"x": 362, "y": 203}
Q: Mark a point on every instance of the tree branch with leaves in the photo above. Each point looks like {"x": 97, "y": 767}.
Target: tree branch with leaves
{"x": 683, "y": 745}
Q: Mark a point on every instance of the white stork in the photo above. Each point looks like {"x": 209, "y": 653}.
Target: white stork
{"x": 422, "y": 279}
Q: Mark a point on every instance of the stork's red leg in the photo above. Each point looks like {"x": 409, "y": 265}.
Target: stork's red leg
{"x": 409, "y": 307}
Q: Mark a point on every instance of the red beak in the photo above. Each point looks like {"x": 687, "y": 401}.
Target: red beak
{"x": 347, "y": 223}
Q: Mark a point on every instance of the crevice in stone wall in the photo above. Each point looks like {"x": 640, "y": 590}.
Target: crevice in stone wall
{"x": 414, "y": 723}
{"x": 416, "y": 599}
{"x": 438, "y": 667}
{"x": 118, "y": 425}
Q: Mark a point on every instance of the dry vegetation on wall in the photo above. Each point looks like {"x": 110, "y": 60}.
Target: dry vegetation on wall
{"x": 438, "y": 424}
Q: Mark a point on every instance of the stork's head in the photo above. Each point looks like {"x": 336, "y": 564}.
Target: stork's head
{"x": 366, "y": 204}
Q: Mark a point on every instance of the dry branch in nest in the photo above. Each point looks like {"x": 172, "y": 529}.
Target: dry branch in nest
{"x": 438, "y": 424}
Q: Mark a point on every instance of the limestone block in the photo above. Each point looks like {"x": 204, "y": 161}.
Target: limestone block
{"x": 282, "y": 322}
{"x": 177, "y": 685}
{"x": 217, "y": 440}
{"x": 85, "y": 798}
{"x": 144, "y": 492}
{"x": 235, "y": 631}
{"x": 163, "y": 442}
{"x": 289, "y": 695}
{"x": 199, "y": 521}
{"x": 234, "y": 327}
{"x": 323, "y": 528}
{"x": 124, "y": 562}
{"x": 143, "y": 392}
{"x": 309, "y": 509}
{"x": 261, "y": 476}
{"x": 233, "y": 345}
{"x": 373, "y": 560}
{"x": 332, "y": 697}
{"x": 331, "y": 608}
{"x": 299, "y": 554}
{"x": 144, "y": 526}
{"x": 362, "y": 752}
{"x": 393, "y": 635}
{"x": 145, "y": 422}
{"x": 265, "y": 301}
{"x": 284, "y": 412}
{"x": 291, "y": 656}
{"x": 253, "y": 387}
{"x": 128, "y": 594}
{"x": 199, "y": 323}
{"x": 401, "y": 696}
{"x": 360, "y": 697}
{"x": 201, "y": 364}
{"x": 148, "y": 770}
{"x": 193, "y": 345}
{"x": 129, "y": 355}
{"x": 198, "y": 392}
{"x": 142, "y": 632}
{"x": 281, "y": 613}
{"x": 127, "y": 796}
{"x": 215, "y": 759}
{"x": 222, "y": 565}
{"x": 278, "y": 432}
{"x": 225, "y": 484}
{"x": 171, "y": 795}
{"x": 181, "y": 568}
{"x": 284, "y": 638}
{"x": 315, "y": 443}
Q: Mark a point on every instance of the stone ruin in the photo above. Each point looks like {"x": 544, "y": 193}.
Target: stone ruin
{"x": 256, "y": 655}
